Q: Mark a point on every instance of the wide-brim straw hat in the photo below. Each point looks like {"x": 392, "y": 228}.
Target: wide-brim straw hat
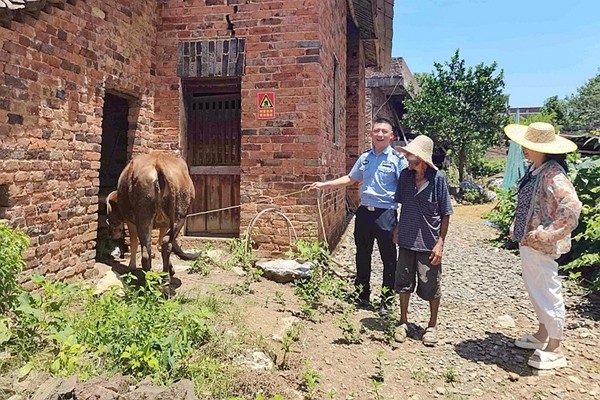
{"x": 422, "y": 147}
{"x": 540, "y": 137}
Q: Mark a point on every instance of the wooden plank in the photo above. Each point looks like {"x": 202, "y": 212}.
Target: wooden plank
{"x": 197, "y": 224}
{"x": 213, "y": 202}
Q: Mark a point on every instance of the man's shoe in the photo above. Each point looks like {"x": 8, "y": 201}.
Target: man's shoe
{"x": 363, "y": 303}
{"x": 401, "y": 333}
{"x": 383, "y": 309}
{"x": 430, "y": 337}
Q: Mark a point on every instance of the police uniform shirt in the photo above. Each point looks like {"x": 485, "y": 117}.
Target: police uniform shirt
{"x": 379, "y": 177}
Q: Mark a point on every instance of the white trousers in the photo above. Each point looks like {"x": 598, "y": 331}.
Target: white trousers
{"x": 540, "y": 273}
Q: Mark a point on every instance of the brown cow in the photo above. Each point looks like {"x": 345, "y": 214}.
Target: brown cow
{"x": 154, "y": 191}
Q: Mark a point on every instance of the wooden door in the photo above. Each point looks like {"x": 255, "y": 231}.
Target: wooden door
{"x": 213, "y": 156}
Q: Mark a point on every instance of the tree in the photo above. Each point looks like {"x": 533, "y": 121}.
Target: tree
{"x": 460, "y": 108}
{"x": 584, "y": 107}
{"x": 557, "y": 108}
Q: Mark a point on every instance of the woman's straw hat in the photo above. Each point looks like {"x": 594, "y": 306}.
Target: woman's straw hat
{"x": 422, "y": 147}
{"x": 540, "y": 137}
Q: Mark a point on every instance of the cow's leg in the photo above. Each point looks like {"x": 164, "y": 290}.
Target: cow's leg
{"x": 145, "y": 236}
{"x": 166, "y": 248}
{"x": 134, "y": 242}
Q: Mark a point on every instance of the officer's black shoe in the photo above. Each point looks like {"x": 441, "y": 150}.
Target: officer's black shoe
{"x": 363, "y": 303}
{"x": 383, "y": 309}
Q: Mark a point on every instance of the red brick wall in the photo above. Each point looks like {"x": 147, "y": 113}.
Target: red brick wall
{"x": 355, "y": 115}
{"x": 289, "y": 50}
{"x": 54, "y": 71}
{"x": 333, "y": 17}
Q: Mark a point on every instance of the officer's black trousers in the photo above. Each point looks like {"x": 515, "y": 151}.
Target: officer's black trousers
{"x": 371, "y": 225}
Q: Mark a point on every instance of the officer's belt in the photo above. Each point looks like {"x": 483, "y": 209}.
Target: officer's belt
{"x": 370, "y": 208}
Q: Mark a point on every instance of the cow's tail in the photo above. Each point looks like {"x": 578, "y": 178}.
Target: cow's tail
{"x": 183, "y": 255}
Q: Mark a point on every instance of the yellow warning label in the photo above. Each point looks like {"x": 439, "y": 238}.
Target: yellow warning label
{"x": 266, "y": 102}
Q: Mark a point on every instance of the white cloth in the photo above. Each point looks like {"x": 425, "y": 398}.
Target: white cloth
{"x": 540, "y": 273}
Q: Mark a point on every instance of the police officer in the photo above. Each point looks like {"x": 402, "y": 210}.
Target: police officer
{"x": 378, "y": 170}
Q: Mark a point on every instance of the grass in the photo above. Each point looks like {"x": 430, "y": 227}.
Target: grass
{"x": 64, "y": 329}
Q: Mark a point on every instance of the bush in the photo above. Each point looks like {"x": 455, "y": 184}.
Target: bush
{"x": 12, "y": 245}
{"x": 502, "y": 216}
{"x": 487, "y": 167}
{"x": 585, "y": 255}
{"x": 63, "y": 328}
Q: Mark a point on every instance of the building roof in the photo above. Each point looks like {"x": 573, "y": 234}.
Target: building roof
{"x": 394, "y": 82}
{"x": 11, "y": 9}
{"x": 374, "y": 18}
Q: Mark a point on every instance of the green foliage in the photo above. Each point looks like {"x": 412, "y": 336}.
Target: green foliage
{"x": 292, "y": 334}
{"x": 378, "y": 377}
{"x": 584, "y": 106}
{"x": 461, "y": 108}
{"x": 450, "y": 376}
{"x": 487, "y": 167}
{"x": 556, "y": 108}
{"x": 322, "y": 284}
{"x": 578, "y": 111}
{"x": 241, "y": 255}
{"x": 502, "y": 216}
{"x": 12, "y": 245}
{"x": 201, "y": 265}
{"x": 352, "y": 332}
{"x": 311, "y": 250}
{"x": 139, "y": 332}
{"x": 311, "y": 379}
{"x": 541, "y": 117}
{"x": 452, "y": 176}
{"x": 586, "y": 246}
{"x": 392, "y": 318}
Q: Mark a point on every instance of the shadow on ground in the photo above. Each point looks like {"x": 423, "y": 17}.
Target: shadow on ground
{"x": 496, "y": 349}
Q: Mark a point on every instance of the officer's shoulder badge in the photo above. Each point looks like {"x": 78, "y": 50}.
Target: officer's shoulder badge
{"x": 397, "y": 153}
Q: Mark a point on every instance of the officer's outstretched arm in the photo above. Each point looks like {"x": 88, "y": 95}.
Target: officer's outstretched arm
{"x": 333, "y": 184}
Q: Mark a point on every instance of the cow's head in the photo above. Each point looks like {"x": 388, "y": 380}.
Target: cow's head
{"x": 114, "y": 219}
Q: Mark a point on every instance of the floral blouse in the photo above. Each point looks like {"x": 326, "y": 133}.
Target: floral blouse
{"x": 553, "y": 213}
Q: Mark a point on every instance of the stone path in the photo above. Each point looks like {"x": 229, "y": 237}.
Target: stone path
{"x": 484, "y": 308}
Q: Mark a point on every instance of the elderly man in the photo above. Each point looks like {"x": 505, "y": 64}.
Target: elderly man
{"x": 424, "y": 218}
{"x": 378, "y": 169}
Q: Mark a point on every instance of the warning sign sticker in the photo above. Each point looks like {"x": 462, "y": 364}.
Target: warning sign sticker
{"x": 265, "y": 105}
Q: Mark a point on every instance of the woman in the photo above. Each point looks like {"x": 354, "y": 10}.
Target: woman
{"x": 547, "y": 212}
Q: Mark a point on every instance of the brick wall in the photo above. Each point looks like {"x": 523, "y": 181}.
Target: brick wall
{"x": 289, "y": 48}
{"x": 56, "y": 68}
{"x": 54, "y": 71}
{"x": 355, "y": 106}
{"x": 333, "y": 19}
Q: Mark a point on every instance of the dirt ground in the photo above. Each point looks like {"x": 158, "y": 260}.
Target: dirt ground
{"x": 484, "y": 308}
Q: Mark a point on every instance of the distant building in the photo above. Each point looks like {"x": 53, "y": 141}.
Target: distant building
{"x": 523, "y": 112}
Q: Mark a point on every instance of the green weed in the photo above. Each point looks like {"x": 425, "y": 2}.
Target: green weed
{"x": 12, "y": 245}
{"x": 292, "y": 334}
{"x": 450, "y": 376}
{"x": 310, "y": 380}
{"x": 351, "y": 332}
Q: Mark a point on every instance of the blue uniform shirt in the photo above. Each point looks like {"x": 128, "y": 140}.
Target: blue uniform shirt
{"x": 379, "y": 177}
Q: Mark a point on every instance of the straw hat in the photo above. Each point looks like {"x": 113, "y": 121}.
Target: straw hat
{"x": 422, "y": 147}
{"x": 540, "y": 137}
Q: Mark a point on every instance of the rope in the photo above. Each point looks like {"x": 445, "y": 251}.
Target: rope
{"x": 319, "y": 208}
{"x": 276, "y": 211}
{"x": 270, "y": 199}
{"x": 256, "y": 202}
